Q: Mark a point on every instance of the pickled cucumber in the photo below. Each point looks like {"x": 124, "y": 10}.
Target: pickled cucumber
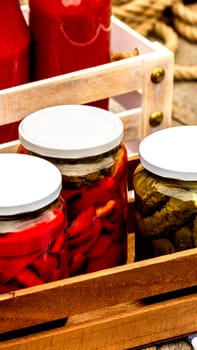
{"x": 174, "y": 214}
{"x": 183, "y": 238}
{"x": 162, "y": 246}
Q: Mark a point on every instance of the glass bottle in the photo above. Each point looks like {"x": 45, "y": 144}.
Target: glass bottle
{"x": 165, "y": 185}
{"x": 69, "y": 35}
{"x": 33, "y": 238}
{"x": 14, "y": 55}
{"x": 85, "y": 143}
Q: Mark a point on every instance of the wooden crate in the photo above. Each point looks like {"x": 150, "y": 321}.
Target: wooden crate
{"x": 133, "y": 305}
{"x": 126, "y": 82}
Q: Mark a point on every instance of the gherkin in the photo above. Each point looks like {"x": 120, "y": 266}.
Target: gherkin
{"x": 148, "y": 198}
{"x": 183, "y": 238}
{"x": 169, "y": 218}
{"x": 162, "y": 246}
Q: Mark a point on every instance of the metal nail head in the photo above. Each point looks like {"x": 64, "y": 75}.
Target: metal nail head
{"x": 157, "y": 75}
{"x": 156, "y": 119}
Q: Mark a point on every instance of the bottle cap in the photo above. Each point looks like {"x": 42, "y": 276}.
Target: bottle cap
{"x": 70, "y": 131}
{"x": 27, "y": 183}
{"x": 171, "y": 153}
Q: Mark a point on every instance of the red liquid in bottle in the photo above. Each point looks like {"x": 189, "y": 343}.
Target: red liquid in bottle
{"x": 14, "y": 55}
{"x": 69, "y": 35}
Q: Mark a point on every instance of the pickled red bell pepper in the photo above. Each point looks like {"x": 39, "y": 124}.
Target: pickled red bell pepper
{"x": 10, "y": 267}
{"x": 76, "y": 263}
{"x": 58, "y": 243}
{"x": 36, "y": 253}
{"x": 100, "y": 248}
{"x": 33, "y": 238}
{"x": 88, "y": 234}
{"x": 113, "y": 257}
{"x": 43, "y": 266}
{"x": 91, "y": 196}
{"x": 82, "y": 222}
{"x": 106, "y": 208}
{"x": 94, "y": 233}
{"x": 27, "y": 278}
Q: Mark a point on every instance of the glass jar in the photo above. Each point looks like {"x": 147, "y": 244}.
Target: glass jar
{"x": 85, "y": 143}
{"x": 33, "y": 240}
{"x": 69, "y": 35}
{"x": 14, "y": 55}
{"x": 165, "y": 185}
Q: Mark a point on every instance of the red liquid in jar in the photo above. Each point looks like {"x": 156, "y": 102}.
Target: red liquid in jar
{"x": 14, "y": 55}
{"x": 35, "y": 251}
{"x": 97, "y": 219}
{"x": 69, "y": 35}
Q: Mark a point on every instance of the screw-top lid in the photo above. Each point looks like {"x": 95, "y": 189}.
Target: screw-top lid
{"x": 27, "y": 183}
{"x": 171, "y": 153}
{"x": 70, "y": 131}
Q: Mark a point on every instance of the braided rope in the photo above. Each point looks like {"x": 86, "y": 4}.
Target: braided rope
{"x": 146, "y": 16}
{"x": 184, "y": 13}
{"x": 186, "y": 30}
{"x": 169, "y": 36}
{"x": 185, "y": 73}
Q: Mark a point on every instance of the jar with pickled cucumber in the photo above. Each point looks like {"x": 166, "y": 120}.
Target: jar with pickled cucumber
{"x": 165, "y": 188}
{"x": 85, "y": 143}
{"x": 33, "y": 238}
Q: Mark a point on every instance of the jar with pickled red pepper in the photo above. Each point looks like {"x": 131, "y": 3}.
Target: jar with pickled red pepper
{"x": 33, "y": 239}
{"x": 165, "y": 185}
{"x": 85, "y": 143}
{"x": 69, "y": 35}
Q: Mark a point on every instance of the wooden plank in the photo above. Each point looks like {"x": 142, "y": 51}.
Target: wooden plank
{"x": 157, "y": 97}
{"x": 125, "y": 326}
{"x": 9, "y": 147}
{"x": 100, "y": 82}
{"x": 105, "y": 288}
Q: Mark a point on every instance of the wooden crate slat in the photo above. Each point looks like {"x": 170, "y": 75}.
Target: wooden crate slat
{"x": 125, "y": 326}
{"x": 78, "y": 87}
{"x": 105, "y": 288}
{"x": 156, "y": 97}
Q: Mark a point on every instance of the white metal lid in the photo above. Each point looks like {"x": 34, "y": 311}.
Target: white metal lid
{"x": 27, "y": 183}
{"x": 70, "y": 131}
{"x": 171, "y": 153}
